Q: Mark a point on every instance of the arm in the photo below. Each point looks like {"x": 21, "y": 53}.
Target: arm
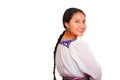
{"x": 85, "y": 60}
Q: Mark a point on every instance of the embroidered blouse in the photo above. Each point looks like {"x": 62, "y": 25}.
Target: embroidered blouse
{"x": 74, "y": 58}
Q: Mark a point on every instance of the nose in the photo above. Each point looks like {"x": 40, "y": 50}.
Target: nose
{"x": 82, "y": 25}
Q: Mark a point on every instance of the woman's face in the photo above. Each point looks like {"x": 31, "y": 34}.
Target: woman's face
{"x": 77, "y": 24}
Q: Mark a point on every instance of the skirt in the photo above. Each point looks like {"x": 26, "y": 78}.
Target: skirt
{"x": 75, "y": 78}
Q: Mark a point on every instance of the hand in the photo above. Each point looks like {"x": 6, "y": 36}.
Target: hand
{"x": 87, "y": 75}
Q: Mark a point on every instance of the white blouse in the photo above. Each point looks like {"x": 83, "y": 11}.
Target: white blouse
{"x": 74, "y": 58}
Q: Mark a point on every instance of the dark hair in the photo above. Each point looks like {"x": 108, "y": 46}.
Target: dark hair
{"x": 68, "y": 14}
{"x": 59, "y": 39}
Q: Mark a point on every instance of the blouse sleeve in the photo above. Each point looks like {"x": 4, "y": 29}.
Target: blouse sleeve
{"x": 85, "y": 61}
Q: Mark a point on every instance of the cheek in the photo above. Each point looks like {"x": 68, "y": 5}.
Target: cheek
{"x": 85, "y": 27}
{"x": 72, "y": 28}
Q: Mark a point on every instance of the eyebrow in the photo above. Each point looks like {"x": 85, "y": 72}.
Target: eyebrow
{"x": 80, "y": 19}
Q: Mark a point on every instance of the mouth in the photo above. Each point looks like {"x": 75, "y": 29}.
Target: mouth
{"x": 81, "y": 30}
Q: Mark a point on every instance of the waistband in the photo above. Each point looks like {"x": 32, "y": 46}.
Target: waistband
{"x": 75, "y": 78}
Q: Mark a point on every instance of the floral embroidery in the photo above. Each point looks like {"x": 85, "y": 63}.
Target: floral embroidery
{"x": 66, "y": 42}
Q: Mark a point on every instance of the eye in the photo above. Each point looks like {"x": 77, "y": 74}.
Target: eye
{"x": 84, "y": 21}
{"x": 76, "y": 21}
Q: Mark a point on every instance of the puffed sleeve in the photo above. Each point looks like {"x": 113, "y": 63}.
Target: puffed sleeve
{"x": 84, "y": 60}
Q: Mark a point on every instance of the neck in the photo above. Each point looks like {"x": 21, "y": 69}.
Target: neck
{"x": 70, "y": 35}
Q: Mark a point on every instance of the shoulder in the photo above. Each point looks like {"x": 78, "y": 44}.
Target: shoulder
{"x": 79, "y": 44}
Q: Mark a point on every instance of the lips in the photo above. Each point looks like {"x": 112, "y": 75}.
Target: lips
{"x": 81, "y": 30}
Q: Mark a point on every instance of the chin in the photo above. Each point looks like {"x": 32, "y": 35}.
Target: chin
{"x": 80, "y": 35}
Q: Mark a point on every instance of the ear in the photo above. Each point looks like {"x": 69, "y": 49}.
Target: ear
{"x": 67, "y": 25}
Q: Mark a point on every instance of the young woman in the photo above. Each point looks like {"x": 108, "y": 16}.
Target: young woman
{"x": 72, "y": 56}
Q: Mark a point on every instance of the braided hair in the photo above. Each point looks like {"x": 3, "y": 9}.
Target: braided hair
{"x": 66, "y": 18}
{"x": 59, "y": 39}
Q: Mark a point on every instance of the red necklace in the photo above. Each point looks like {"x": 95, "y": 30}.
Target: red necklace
{"x": 71, "y": 35}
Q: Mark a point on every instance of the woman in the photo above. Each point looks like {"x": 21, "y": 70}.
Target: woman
{"x": 72, "y": 56}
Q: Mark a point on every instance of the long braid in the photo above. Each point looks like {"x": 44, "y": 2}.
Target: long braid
{"x": 59, "y": 39}
{"x": 67, "y": 16}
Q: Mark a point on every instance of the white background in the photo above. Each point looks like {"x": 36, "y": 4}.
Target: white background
{"x": 29, "y": 30}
